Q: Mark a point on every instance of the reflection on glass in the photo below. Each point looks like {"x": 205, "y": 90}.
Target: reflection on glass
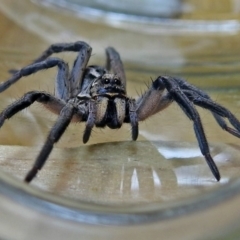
{"x": 149, "y": 8}
{"x": 127, "y": 172}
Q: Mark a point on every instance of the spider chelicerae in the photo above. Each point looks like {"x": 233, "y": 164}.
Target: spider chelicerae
{"x": 97, "y": 96}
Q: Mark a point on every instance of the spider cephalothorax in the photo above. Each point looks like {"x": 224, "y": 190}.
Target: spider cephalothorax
{"x": 110, "y": 101}
{"x": 106, "y": 101}
{"x": 97, "y": 95}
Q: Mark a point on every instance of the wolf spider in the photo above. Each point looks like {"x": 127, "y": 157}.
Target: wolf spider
{"x": 97, "y": 95}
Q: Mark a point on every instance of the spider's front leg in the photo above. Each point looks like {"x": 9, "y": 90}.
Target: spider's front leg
{"x": 80, "y": 63}
{"x": 55, "y": 134}
{"x": 68, "y": 85}
{"x": 114, "y": 64}
{"x": 66, "y": 112}
{"x": 33, "y": 68}
{"x": 92, "y": 115}
{"x": 163, "y": 91}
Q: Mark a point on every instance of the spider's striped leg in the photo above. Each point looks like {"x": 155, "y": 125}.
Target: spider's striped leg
{"x": 55, "y": 134}
{"x": 114, "y": 63}
{"x": 28, "y": 99}
{"x": 30, "y": 69}
{"x": 188, "y": 108}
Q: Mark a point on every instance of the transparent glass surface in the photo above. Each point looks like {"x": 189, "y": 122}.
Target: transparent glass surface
{"x": 159, "y": 185}
{"x": 129, "y": 9}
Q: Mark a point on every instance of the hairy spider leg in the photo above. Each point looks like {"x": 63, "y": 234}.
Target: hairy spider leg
{"x": 55, "y": 134}
{"x": 27, "y": 100}
{"x": 78, "y": 69}
{"x": 196, "y": 95}
{"x": 33, "y": 68}
{"x": 66, "y": 114}
{"x": 233, "y": 120}
{"x": 114, "y": 63}
{"x": 133, "y": 118}
{"x": 73, "y": 83}
{"x": 152, "y": 101}
{"x": 62, "y": 47}
{"x": 90, "y": 121}
{"x": 188, "y": 108}
{"x": 218, "y": 112}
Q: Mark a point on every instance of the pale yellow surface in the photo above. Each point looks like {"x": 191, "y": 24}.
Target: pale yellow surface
{"x": 164, "y": 165}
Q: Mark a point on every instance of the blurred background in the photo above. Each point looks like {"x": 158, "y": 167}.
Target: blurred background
{"x": 195, "y": 40}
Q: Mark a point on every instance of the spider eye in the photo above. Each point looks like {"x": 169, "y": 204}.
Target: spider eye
{"x": 106, "y": 80}
{"x": 117, "y": 81}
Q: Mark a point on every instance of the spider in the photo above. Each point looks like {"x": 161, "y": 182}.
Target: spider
{"x": 97, "y": 96}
